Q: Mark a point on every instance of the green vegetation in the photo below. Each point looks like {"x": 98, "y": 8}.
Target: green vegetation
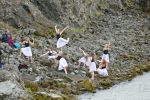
{"x": 31, "y": 86}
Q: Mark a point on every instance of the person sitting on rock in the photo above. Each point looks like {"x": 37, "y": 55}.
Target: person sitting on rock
{"x": 102, "y": 70}
{"x": 86, "y": 59}
{"x": 26, "y": 50}
{"x": 61, "y": 41}
{"x": 51, "y": 54}
{"x": 10, "y": 40}
{"x": 105, "y": 54}
{"x": 5, "y": 36}
{"x": 63, "y": 65}
{"x": 92, "y": 66}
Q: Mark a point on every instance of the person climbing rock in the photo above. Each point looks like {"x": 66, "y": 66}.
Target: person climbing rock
{"x": 63, "y": 65}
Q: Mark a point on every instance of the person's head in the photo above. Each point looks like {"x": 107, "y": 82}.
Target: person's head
{"x": 7, "y": 31}
{"x": 103, "y": 62}
{"x": 93, "y": 55}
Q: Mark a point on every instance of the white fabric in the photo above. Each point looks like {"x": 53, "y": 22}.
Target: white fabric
{"x": 106, "y": 57}
{"x": 62, "y": 64}
{"x": 102, "y": 72}
{"x": 52, "y": 57}
{"x": 92, "y": 67}
{"x": 27, "y": 51}
{"x": 62, "y": 42}
{"x": 85, "y": 61}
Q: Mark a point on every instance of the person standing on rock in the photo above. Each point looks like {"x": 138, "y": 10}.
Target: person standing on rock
{"x": 102, "y": 70}
{"x": 86, "y": 59}
{"x": 61, "y": 41}
{"x": 26, "y": 50}
{"x": 105, "y": 54}
{"x": 63, "y": 65}
{"x": 92, "y": 66}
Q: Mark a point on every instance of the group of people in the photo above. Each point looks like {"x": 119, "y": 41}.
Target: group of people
{"x": 7, "y": 38}
{"x": 88, "y": 60}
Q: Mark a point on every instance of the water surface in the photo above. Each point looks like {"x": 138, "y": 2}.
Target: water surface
{"x": 137, "y": 89}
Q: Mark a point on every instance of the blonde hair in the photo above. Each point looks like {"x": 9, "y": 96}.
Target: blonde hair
{"x": 103, "y": 63}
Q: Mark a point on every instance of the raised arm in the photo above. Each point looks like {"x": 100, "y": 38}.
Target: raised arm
{"x": 64, "y": 29}
{"x": 31, "y": 42}
{"x": 85, "y": 54}
{"x": 56, "y": 29}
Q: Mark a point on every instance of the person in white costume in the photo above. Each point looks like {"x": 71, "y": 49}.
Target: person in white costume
{"x": 51, "y": 54}
{"x": 105, "y": 54}
{"x": 63, "y": 65}
{"x": 102, "y": 70}
{"x": 26, "y": 49}
{"x": 86, "y": 59}
{"x": 61, "y": 41}
{"x": 92, "y": 66}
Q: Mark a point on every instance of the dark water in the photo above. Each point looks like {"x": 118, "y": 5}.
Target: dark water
{"x": 137, "y": 89}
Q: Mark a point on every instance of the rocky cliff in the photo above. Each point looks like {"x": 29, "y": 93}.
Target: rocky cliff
{"x": 92, "y": 24}
{"x": 44, "y": 14}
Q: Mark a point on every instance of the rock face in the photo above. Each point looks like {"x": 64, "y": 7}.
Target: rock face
{"x": 93, "y": 23}
{"x": 9, "y": 87}
{"x": 43, "y": 14}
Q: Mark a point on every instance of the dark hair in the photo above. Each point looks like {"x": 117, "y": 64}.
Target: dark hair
{"x": 59, "y": 57}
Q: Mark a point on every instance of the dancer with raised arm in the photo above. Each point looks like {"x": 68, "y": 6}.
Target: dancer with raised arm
{"x": 61, "y": 41}
{"x": 86, "y": 59}
{"x": 105, "y": 55}
{"x": 92, "y": 66}
{"x": 26, "y": 49}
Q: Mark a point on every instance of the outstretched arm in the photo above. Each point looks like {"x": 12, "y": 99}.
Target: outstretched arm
{"x": 44, "y": 54}
{"x": 64, "y": 29}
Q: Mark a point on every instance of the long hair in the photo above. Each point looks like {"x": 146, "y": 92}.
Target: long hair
{"x": 103, "y": 63}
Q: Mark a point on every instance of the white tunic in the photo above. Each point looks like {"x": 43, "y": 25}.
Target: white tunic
{"x": 62, "y": 42}
{"x": 62, "y": 64}
{"x": 92, "y": 67}
{"x": 102, "y": 72}
{"x": 106, "y": 57}
{"x": 85, "y": 61}
{"x": 26, "y": 51}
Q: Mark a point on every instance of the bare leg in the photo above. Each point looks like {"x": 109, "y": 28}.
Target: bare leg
{"x": 65, "y": 69}
{"x": 92, "y": 75}
{"x": 20, "y": 52}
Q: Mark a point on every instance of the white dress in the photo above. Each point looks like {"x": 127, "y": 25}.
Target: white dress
{"x": 53, "y": 55}
{"x": 85, "y": 61}
{"x": 62, "y": 42}
{"x": 102, "y": 72}
{"x": 62, "y": 64}
{"x": 92, "y": 67}
{"x": 26, "y": 51}
{"x": 106, "y": 57}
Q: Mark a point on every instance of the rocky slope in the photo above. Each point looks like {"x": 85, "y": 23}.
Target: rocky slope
{"x": 99, "y": 21}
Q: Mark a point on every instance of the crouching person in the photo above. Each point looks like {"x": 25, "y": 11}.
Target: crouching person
{"x": 63, "y": 65}
{"x": 102, "y": 70}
